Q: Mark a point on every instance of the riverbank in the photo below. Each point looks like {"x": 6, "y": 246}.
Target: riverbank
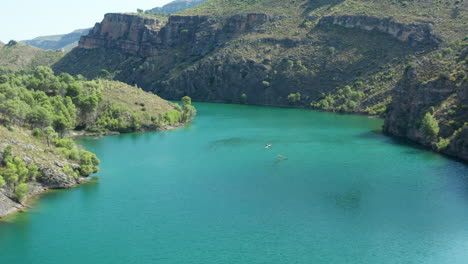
{"x": 9, "y": 206}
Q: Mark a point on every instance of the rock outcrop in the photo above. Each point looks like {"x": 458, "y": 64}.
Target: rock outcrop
{"x": 50, "y": 166}
{"x": 146, "y": 36}
{"x": 415, "y": 34}
{"x": 129, "y": 33}
{"x": 445, "y": 97}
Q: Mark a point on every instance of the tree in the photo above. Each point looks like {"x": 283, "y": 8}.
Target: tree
{"x": 21, "y": 170}
{"x": 50, "y": 134}
{"x": 11, "y": 174}
{"x": 139, "y": 11}
{"x": 21, "y": 191}
{"x": 33, "y": 171}
{"x": 39, "y": 117}
{"x": 2, "y": 181}
{"x": 186, "y": 101}
{"x": 294, "y": 98}
{"x": 61, "y": 125}
{"x": 7, "y": 155}
{"x": 243, "y": 98}
{"x": 430, "y": 126}
{"x": 105, "y": 74}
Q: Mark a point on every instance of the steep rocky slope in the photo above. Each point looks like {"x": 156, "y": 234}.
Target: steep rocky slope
{"x": 436, "y": 90}
{"x": 57, "y": 42}
{"x": 342, "y": 55}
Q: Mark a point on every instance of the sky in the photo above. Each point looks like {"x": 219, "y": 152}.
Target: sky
{"x": 27, "y": 19}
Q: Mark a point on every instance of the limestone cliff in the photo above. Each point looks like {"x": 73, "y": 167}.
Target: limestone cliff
{"x": 146, "y": 36}
{"x": 129, "y": 33}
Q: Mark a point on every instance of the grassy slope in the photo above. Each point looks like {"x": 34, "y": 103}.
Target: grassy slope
{"x": 147, "y": 106}
{"x": 22, "y": 56}
{"x": 25, "y": 145}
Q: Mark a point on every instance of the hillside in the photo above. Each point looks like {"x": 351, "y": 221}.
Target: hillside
{"x": 343, "y": 55}
{"x": 39, "y": 111}
{"x": 176, "y": 6}
{"x": 31, "y": 166}
{"x": 57, "y": 42}
{"x": 16, "y": 55}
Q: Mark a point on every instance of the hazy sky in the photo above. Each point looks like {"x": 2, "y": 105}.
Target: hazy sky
{"x": 26, "y": 19}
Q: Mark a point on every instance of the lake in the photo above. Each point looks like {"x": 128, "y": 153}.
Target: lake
{"x": 212, "y": 193}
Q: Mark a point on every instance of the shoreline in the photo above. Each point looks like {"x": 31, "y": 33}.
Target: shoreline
{"x": 82, "y": 133}
{"x": 19, "y": 207}
{"x": 40, "y": 189}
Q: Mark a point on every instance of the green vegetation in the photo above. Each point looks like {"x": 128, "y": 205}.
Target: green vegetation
{"x": 189, "y": 112}
{"x": 294, "y": 98}
{"x": 243, "y": 98}
{"x": 16, "y": 55}
{"x": 53, "y": 105}
{"x": 430, "y": 126}
{"x": 38, "y": 109}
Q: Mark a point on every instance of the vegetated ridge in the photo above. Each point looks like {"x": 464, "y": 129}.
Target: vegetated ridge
{"x": 58, "y": 42}
{"x": 351, "y": 56}
{"x": 16, "y": 55}
{"x": 176, "y": 6}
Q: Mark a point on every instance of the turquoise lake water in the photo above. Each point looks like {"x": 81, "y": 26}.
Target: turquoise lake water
{"x": 211, "y": 193}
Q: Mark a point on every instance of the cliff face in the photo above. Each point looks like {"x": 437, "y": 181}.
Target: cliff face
{"x": 415, "y": 34}
{"x": 445, "y": 97}
{"x": 148, "y": 37}
{"x": 129, "y": 33}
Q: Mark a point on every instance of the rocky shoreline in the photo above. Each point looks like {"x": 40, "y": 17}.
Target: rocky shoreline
{"x": 9, "y": 206}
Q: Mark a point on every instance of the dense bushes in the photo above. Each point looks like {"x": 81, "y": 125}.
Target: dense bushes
{"x": 15, "y": 175}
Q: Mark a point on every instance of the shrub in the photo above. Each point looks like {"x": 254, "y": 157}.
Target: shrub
{"x": 443, "y": 143}
{"x": 37, "y": 132}
{"x": 243, "y": 98}
{"x": 21, "y": 191}
{"x": 2, "y": 181}
{"x": 430, "y": 126}
{"x": 294, "y": 98}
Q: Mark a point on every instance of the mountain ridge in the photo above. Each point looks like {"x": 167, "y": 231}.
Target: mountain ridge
{"x": 56, "y": 42}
